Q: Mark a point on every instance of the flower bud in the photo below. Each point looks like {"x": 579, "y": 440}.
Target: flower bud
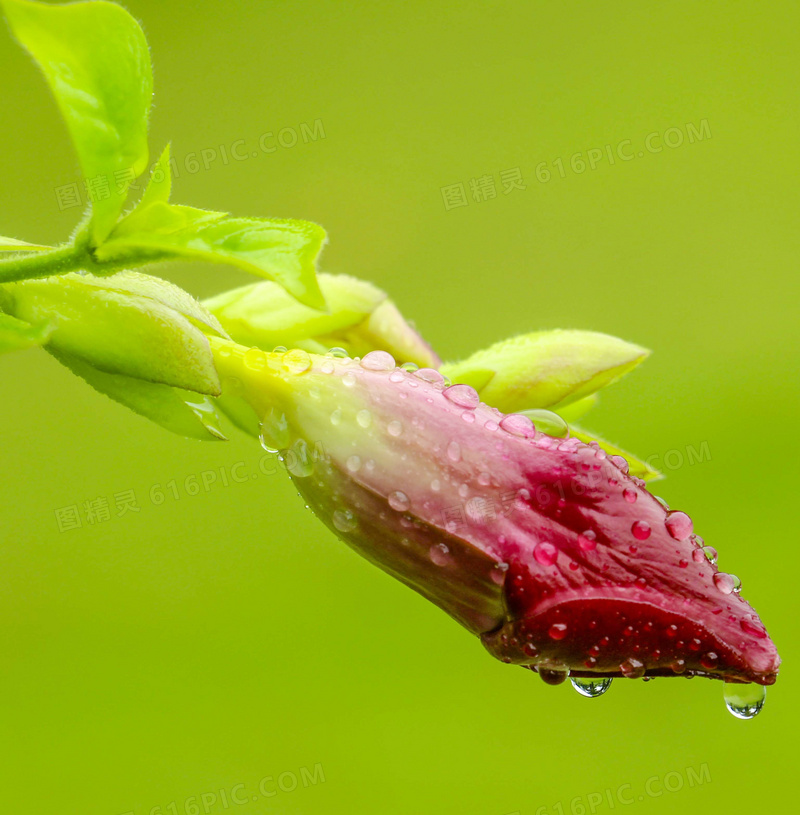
{"x": 544, "y": 547}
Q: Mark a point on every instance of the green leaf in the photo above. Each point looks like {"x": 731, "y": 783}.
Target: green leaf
{"x": 17, "y": 334}
{"x": 636, "y": 467}
{"x": 282, "y": 250}
{"x": 547, "y": 369}
{"x": 179, "y": 411}
{"x": 119, "y": 331}
{"x": 95, "y": 59}
{"x": 13, "y": 245}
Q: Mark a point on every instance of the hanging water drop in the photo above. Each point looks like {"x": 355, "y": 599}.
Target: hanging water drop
{"x": 591, "y": 687}
{"x": 744, "y": 701}
{"x": 344, "y": 520}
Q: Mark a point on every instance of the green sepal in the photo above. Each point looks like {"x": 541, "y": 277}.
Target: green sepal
{"x": 547, "y": 369}
{"x": 118, "y": 327}
{"x": 359, "y": 318}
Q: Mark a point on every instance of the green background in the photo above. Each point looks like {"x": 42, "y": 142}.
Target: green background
{"x": 215, "y": 639}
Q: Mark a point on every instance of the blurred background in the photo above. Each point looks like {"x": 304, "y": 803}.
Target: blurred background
{"x": 201, "y": 644}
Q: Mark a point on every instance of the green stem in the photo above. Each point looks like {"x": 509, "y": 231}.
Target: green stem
{"x": 71, "y": 257}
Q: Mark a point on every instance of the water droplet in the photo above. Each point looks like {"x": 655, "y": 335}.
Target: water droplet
{"x": 632, "y": 668}
{"x": 619, "y": 462}
{"x": 354, "y": 464}
{"x": 679, "y": 525}
{"x": 641, "y": 530}
{"x": 630, "y": 495}
{"x": 587, "y": 540}
{"x": 336, "y": 416}
{"x": 299, "y": 461}
{"x": 710, "y": 553}
{"x": 439, "y": 554}
{"x": 411, "y": 367}
{"x": 395, "y": 428}
{"x": 709, "y": 660}
{"x": 726, "y": 583}
{"x": 339, "y": 353}
{"x": 557, "y": 631}
{"x": 396, "y": 376}
{"x": 553, "y": 676}
{"x": 274, "y": 431}
{"x": 518, "y": 425}
{"x": 662, "y": 502}
{"x": 545, "y": 553}
{"x": 399, "y": 501}
{"x": 591, "y": 687}
{"x": 429, "y": 375}
{"x": 436, "y": 485}
{"x": 297, "y": 361}
{"x": 378, "y": 361}
{"x": 753, "y": 629}
{"x": 678, "y": 666}
{"x": 463, "y": 396}
{"x": 498, "y": 574}
{"x": 454, "y": 451}
{"x": 547, "y": 422}
{"x": 364, "y": 418}
{"x": 349, "y": 379}
{"x": 255, "y": 359}
{"x": 327, "y": 367}
{"x": 484, "y": 479}
{"x": 744, "y": 701}
{"x": 491, "y": 425}
{"x": 344, "y": 520}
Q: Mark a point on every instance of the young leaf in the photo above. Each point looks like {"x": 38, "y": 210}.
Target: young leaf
{"x": 95, "y": 59}
{"x": 159, "y": 186}
{"x": 179, "y": 411}
{"x": 282, "y": 250}
{"x": 17, "y": 334}
{"x": 13, "y": 245}
{"x": 119, "y": 332}
{"x": 156, "y": 218}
